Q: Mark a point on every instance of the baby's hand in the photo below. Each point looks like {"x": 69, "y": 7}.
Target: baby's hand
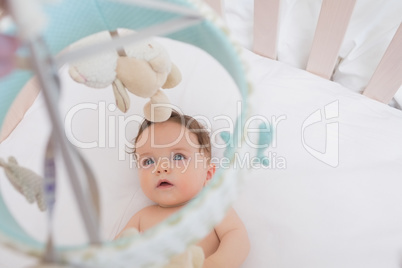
{"x": 8, "y": 47}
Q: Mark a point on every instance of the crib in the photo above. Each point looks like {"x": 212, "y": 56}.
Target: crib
{"x": 322, "y": 191}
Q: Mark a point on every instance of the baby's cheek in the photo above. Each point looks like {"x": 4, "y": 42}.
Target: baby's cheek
{"x": 144, "y": 179}
{"x": 140, "y": 173}
{"x": 148, "y": 170}
{"x": 147, "y": 189}
{"x": 183, "y": 163}
{"x": 192, "y": 186}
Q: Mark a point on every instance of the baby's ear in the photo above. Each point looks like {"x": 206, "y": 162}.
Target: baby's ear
{"x": 210, "y": 173}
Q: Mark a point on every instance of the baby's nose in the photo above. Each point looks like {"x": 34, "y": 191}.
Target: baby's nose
{"x": 163, "y": 168}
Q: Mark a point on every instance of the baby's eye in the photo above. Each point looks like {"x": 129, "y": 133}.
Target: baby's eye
{"x": 148, "y": 161}
{"x": 179, "y": 157}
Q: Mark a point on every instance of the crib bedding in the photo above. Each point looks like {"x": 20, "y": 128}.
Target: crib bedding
{"x": 371, "y": 28}
{"x": 308, "y": 213}
{"x": 311, "y": 207}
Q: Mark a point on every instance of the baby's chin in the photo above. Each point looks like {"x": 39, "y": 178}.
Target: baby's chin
{"x": 173, "y": 205}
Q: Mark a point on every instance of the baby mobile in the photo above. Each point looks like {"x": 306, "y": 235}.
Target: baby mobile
{"x": 36, "y": 24}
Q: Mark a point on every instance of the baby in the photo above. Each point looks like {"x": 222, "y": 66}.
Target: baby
{"x": 174, "y": 166}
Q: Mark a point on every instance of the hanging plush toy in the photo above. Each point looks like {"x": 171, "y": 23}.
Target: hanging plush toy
{"x": 143, "y": 69}
{"x": 25, "y": 181}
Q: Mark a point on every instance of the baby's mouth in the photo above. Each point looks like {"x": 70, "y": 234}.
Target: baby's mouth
{"x": 164, "y": 184}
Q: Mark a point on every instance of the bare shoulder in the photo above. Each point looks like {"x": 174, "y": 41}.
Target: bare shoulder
{"x": 147, "y": 210}
{"x": 135, "y": 220}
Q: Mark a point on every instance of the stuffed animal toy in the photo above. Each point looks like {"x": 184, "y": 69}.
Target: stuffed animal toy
{"x": 25, "y": 181}
{"x": 193, "y": 257}
{"x": 142, "y": 69}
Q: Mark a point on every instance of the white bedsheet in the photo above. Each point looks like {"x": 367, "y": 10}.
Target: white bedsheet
{"x": 310, "y": 214}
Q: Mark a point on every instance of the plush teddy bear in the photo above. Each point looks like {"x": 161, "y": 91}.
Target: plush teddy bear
{"x": 25, "y": 181}
{"x": 143, "y": 69}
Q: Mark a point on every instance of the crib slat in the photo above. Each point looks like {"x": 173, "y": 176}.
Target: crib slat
{"x": 332, "y": 24}
{"x": 217, "y": 5}
{"x": 19, "y": 107}
{"x": 387, "y": 78}
{"x": 266, "y": 19}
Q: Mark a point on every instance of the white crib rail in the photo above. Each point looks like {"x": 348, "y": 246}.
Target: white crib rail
{"x": 387, "y": 78}
{"x": 217, "y": 5}
{"x": 331, "y": 28}
{"x": 266, "y": 19}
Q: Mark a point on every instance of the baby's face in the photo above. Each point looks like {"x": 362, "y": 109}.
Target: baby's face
{"x": 172, "y": 170}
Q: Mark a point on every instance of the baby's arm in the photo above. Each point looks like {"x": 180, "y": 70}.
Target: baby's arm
{"x": 234, "y": 243}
